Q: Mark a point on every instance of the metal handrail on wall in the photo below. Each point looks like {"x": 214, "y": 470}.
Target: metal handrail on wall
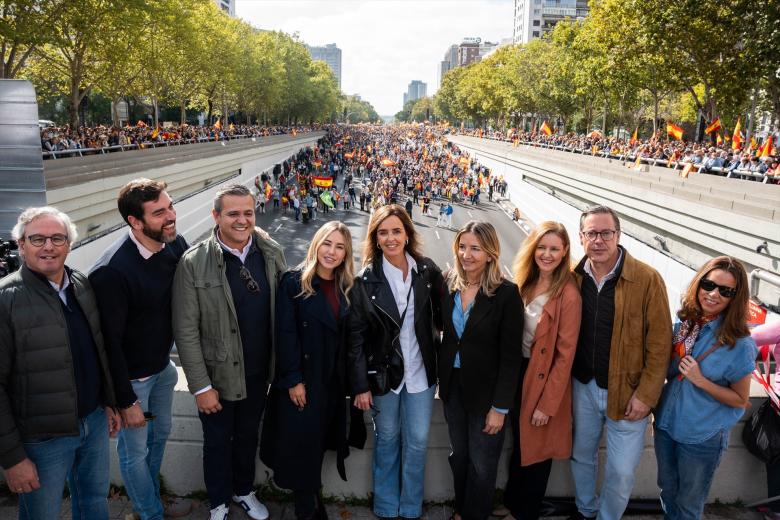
{"x": 676, "y": 165}
{"x": 135, "y": 146}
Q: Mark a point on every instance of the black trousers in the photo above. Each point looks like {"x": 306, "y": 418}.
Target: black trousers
{"x": 474, "y": 457}
{"x": 230, "y": 444}
{"x": 526, "y": 485}
{"x": 773, "y": 485}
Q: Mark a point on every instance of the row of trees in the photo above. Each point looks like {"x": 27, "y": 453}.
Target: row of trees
{"x": 181, "y": 53}
{"x": 629, "y": 61}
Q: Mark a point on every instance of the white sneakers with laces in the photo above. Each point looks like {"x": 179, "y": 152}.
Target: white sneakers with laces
{"x": 220, "y": 512}
{"x": 253, "y": 507}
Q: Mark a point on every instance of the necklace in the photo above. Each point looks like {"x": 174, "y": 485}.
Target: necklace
{"x": 471, "y": 284}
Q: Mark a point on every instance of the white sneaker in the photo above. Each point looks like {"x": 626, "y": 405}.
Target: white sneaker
{"x": 220, "y": 512}
{"x": 252, "y": 506}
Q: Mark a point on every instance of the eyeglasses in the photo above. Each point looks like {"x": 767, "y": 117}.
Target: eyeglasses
{"x": 40, "y": 240}
{"x": 245, "y": 275}
{"x": 724, "y": 290}
{"x": 606, "y": 235}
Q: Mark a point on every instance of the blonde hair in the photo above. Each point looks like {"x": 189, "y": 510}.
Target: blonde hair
{"x": 488, "y": 241}
{"x": 525, "y": 269}
{"x": 344, "y": 273}
{"x": 370, "y": 247}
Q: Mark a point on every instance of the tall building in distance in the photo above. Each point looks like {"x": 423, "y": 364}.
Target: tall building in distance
{"x": 229, "y": 6}
{"x": 534, "y": 18}
{"x": 416, "y": 90}
{"x": 470, "y": 50}
{"x": 331, "y": 55}
{"x": 449, "y": 62}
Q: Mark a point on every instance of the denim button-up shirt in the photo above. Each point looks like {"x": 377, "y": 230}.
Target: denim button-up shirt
{"x": 691, "y": 415}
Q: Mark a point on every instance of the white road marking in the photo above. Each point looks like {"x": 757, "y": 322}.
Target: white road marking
{"x": 277, "y": 228}
{"x": 469, "y": 212}
{"x": 437, "y": 235}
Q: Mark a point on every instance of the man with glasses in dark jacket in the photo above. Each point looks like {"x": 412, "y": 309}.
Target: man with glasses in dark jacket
{"x": 56, "y": 391}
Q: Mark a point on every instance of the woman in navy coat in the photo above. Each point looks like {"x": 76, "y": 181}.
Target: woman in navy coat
{"x": 306, "y": 413}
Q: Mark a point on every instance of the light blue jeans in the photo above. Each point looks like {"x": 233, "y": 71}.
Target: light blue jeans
{"x": 141, "y": 450}
{"x": 625, "y": 442}
{"x": 401, "y": 425}
{"x": 81, "y": 459}
{"x": 685, "y": 473}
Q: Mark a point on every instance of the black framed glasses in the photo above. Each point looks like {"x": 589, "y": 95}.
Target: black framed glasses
{"x": 57, "y": 240}
{"x": 251, "y": 283}
{"x": 606, "y": 235}
{"x": 724, "y": 290}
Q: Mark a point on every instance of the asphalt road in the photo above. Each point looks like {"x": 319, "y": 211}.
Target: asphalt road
{"x": 437, "y": 241}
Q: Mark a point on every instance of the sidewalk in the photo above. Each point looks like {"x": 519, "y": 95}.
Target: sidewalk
{"x": 120, "y": 507}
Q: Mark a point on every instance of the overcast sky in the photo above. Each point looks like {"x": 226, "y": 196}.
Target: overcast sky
{"x": 384, "y": 44}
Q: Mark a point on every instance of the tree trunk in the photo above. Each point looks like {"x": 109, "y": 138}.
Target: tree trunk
{"x": 115, "y": 111}
{"x": 656, "y": 103}
{"x": 604, "y": 119}
{"x": 183, "y": 112}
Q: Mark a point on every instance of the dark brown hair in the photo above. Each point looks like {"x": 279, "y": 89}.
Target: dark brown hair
{"x": 599, "y": 210}
{"x": 370, "y": 247}
{"x": 735, "y": 316}
{"x": 133, "y": 195}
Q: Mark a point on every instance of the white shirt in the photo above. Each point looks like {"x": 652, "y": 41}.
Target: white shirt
{"x": 146, "y": 254}
{"x": 240, "y": 253}
{"x": 61, "y": 290}
{"x": 608, "y": 276}
{"x": 533, "y": 312}
{"x": 415, "y": 377}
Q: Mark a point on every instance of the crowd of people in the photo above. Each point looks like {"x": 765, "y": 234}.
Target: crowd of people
{"x": 562, "y": 356}
{"x": 707, "y": 157}
{"x": 92, "y": 139}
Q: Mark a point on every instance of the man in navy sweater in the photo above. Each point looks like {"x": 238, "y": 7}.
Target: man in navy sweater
{"x": 132, "y": 281}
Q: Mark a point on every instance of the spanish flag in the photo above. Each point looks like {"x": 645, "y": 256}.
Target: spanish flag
{"x": 232, "y": 126}
{"x": 545, "y": 129}
{"x": 713, "y": 127}
{"x": 718, "y": 139}
{"x": 753, "y": 143}
{"x": 633, "y": 139}
{"x": 218, "y": 124}
{"x": 323, "y": 182}
{"x": 156, "y": 132}
{"x": 388, "y": 162}
{"x": 140, "y": 123}
{"x": 674, "y": 130}
{"x": 736, "y": 138}
{"x": 268, "y": 191}
{"x": 766, "y": 148}
{"x": 294, "y": 132}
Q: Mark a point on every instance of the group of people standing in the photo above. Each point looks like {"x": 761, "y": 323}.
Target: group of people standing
{"x": 556, "y": 354}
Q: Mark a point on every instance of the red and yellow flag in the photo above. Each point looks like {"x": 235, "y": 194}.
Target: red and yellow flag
{"x": 294, "y": 132}
{"x": 388, "y": 162}
{"x": 323, "y": 182}
{"x": 753, "y": 143}
{"x": 156, "y": 132}
{"x": 545, "y": 129}
{"x": 718, "y": 139}
{"x": 766, "y": 148}
{"x": 218, "y": 124}
{"x": 674, "y": 130}
{"x": 736, "y": 138}
{"x": 140, "y": 123}
{"x": 633, "y": 139}
{"x": 713, "y": 127}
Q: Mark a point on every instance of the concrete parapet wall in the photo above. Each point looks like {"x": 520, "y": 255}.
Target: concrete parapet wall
{"x": 739, "y": 477}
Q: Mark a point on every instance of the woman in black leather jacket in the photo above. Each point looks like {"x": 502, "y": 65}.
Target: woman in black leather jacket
{"x": 394, "y": 331}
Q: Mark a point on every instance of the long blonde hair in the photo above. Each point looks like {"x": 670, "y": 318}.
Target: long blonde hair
{"x": 371, "y": 249}
{"x": 488, "y": 241}
{"x": 344, "y": 273}
{"x": 526, "y": 272}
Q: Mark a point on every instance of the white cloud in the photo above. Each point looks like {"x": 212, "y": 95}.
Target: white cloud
{"x": 384, "y": 44}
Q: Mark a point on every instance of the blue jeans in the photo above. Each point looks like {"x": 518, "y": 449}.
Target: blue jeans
{"x": 81, "y": 459}
{"x": 625, "y": 442}
{"x": 141, "y": 450}
{"x": 401, "y": 424}
{"x": 685, "y": 473}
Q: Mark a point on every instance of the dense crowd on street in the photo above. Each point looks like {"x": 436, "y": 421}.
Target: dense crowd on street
{"x": 560, "y": 356}
{"x": 707, "y": 157}
{"x": 94, "y": 138}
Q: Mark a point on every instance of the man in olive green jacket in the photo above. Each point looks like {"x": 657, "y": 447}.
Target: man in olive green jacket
{"x": 223, "y": 314}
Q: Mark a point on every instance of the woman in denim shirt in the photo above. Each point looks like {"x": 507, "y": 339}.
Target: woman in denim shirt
{"x": 707, "y": 387}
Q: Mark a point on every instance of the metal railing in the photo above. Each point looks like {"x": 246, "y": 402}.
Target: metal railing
{"x": 81, "y": 152}
{"x": 628, "y": 158}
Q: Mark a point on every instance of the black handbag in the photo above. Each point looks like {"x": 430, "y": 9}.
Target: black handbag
{"x": 387, "y": 375}
{"x": 761, "y": 434}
